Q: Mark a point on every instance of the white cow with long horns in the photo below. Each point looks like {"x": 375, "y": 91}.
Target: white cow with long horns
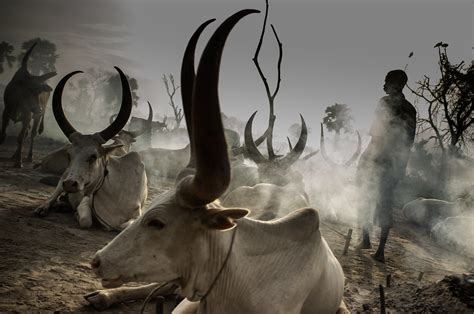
{"x": 110, "y": 188}
{"x": 222, "y": 261}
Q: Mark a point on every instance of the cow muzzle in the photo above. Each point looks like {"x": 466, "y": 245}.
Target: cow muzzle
{"x": 71, "y": 186}
{"x": 106, "y": 282}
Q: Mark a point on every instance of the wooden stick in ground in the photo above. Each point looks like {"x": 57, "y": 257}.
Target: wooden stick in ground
{"x": 348, "y": 241}
{"x": 389, "y": 279}
{"x": 382, "y": 299}
{"x": 420, "y": 276}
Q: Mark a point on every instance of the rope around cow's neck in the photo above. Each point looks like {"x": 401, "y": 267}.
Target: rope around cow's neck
{"x": 152, "y": 293}
{"x": 99, "y": 186}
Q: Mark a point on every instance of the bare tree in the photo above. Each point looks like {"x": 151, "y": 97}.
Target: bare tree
{"x": 171, "y": 89}
{"x": 270, "y": 95}
{"x": 450, "y": 109}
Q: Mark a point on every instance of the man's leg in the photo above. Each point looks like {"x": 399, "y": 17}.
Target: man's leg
{"x": 365, "y": 204}
{"x": 380, "y": 254}
{"x": 384, "y": 214}
{"x": 365, "y": 243}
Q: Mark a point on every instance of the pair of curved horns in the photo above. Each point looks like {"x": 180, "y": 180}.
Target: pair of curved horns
{"x": 286, "y": 161}
{"x": 113, "y": 128}
{"x": 202, "y": 113}
{"x": 333, "y": 163}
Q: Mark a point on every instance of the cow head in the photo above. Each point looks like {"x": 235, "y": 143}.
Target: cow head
{"x": 87, "y": 153}
{"x": 276, "y": 171}
{"x": 172, "y": 237}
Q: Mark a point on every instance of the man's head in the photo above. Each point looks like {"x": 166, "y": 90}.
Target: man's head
{"x": 395, "y": 81}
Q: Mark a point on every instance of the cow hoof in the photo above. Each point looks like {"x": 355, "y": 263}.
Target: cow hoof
{"x": 85, "y": 222}
{"x": 42, "y": 211}
{"x": 18, "y": 164}
{"x": 98, "y": 299}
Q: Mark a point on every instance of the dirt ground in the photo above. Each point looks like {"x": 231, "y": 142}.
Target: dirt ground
{"x": 44, "y": 262}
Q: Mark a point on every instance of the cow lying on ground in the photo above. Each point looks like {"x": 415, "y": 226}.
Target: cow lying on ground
{"x": 109, "y": 188}
{"x": 58, "y": 161}
{"x": 456, "y": 234}
{"x": 427, "y": 212}
{"x": 222, "y": 261}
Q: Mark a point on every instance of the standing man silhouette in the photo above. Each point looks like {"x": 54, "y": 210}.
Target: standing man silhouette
{"x": 383, "y": 163}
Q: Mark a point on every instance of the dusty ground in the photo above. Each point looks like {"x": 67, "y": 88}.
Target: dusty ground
{"x": 44, "y": 262}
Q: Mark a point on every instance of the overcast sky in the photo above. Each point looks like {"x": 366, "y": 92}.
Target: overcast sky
{"x": 333, "y": 51}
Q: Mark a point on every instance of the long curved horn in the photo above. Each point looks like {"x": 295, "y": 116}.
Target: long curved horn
{"x": 147, "y": 126}
{"x": 242, "y": 149}
{"x": 311, "y": 155}
{"x": 357, "y": 152}
{"x": 322, "y": 146}
{"x": 124, "y": 113}
{"x": 296, "y": 152}
{"x": 24, "y": 61}
{"x": 57, "y": 105}
{"x": 252, "y": 150}
{"x": 290, "y": 146}
{"x": 150, "y": 114}
{"x": 187, "y": 83}
{"x": 212, "y": 162}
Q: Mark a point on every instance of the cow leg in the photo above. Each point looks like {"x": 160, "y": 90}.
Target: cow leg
{"x": 84, "y": 212}
{"x": 343, "y": 309}
{"x": 34, "y": 131}
{"x": 186, "y": 307}
{"x": 103, "y": 299}
{"x": 5, "y": 121}
{"x": 21, "y": 137}
{"x": 43, "y": 210}
{"x": 379, "y": 255}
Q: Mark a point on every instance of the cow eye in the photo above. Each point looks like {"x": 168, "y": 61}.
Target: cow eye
{"x": 156, "y": 223}
{"x": 92, "y": 158}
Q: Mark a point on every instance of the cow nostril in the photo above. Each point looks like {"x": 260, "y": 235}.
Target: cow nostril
{"x": 74, "y": 184}
{"x": 95, "y": 263}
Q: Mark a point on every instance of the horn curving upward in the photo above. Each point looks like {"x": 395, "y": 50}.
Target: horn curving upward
{"x": 298, "y": 149}
{"x": 252, "y": 150}
{"x": 207, "y": 132}
{"x": 187, "y": 83}
{"x": 124, "y": 113}
{"x": 111, "y": 130}
{"x": 57, "y": 105}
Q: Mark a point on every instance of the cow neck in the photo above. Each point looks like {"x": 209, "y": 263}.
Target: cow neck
{"x": 193, "y": 286}
{"x": 213, "y": 283}
{"x": 96, "y": 185}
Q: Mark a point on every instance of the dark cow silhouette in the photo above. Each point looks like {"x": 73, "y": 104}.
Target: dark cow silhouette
{"x": 25, "y": 98}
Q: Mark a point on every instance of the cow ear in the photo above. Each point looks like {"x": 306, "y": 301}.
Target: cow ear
{"x": 223, "y": 219}
{"x": 109, "y": 148}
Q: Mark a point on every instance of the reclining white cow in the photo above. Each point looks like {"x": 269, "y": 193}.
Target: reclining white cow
{"x": 110, "y": 188}
{"x": 427, "y": 212}
{"x": 222, "y": 261}
{"x": 58, "y": 161}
